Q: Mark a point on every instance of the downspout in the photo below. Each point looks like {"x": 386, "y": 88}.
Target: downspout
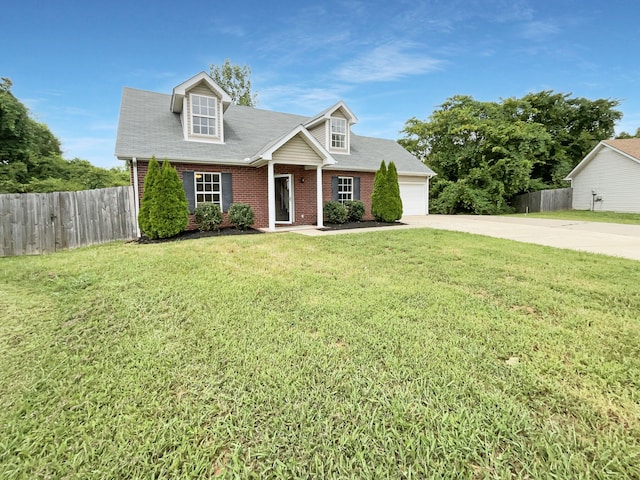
{"x": 136, "y": 204}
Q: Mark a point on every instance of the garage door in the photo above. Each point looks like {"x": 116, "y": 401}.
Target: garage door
{"x": 414, "y": 198}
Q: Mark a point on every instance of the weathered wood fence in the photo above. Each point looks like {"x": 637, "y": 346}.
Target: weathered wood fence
{"x": 544, "y": 200}
{"x": 34, "y": 223}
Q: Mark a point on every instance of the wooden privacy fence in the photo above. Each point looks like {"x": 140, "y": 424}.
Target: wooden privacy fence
{"x": 544, "y": 201}
{"x": 33, "y": 223}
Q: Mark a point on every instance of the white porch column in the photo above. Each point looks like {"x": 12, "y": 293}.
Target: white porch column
{"x": 271, "y": 189}
{"x": 319, "y": 195}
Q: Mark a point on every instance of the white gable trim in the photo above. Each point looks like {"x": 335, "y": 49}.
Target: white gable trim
{"x": 180, "y": 91}
{"x": 592, "y": 154}
{"x": 266, "y": 154}
{"x": 326, "y": 115}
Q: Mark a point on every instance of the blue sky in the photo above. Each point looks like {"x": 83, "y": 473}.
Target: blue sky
{"x": 388, "y": 60}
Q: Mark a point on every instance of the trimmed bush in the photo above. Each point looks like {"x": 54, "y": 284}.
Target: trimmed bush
{"x": 379, "y": 192}
{"x": 335, "y": 212}
{"x": 208, "y": 216}
{"x": 153, "y": 171}
{"x": 169, "y": 209}
{"x": 355, "y": 210}
{"x": 241, "y": 215}
{"x": 394, "y": 205}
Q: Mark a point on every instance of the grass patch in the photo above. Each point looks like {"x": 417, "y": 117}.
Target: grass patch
{"x": 587, "y": 216}
{"x": 393, "y": 354}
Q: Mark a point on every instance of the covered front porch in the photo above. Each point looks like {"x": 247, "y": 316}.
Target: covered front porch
{"x": 294, "y": 177}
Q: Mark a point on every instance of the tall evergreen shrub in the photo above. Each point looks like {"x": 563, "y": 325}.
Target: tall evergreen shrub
{"x": 153, "y": 171}
{"x": 378, "y": 194}
{"x": 394, "y": 202}
{"x": 168, "y": 206}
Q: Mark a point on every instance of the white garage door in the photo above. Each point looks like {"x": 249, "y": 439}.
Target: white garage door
{"x": 414, "y": 198}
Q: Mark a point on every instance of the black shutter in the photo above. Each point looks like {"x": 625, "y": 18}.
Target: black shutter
{"x": 227, "y": 192}
{"x": 334, "y": 189}
{"x": 356, "y": 188}
{"x": 189, "y": 189}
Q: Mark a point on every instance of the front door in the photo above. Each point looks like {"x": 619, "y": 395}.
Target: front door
{"x": 284, "y": 198}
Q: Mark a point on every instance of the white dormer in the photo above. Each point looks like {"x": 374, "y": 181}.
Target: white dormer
{"x": 201, "y": 104}
{"x": 332, "y": 128}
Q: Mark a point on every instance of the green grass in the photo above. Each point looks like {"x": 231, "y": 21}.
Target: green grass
{"x": 587, "y": 216}
{"x": 394, "y": 354}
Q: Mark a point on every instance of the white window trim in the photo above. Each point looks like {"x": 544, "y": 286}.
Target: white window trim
{"x": 195, "y": 187}
{"x": 215, "y": 117}
{"x": 350, "y": 192}
{"x": 346, "y": 134}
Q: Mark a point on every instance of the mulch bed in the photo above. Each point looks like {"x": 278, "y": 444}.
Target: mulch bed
{"x": 352, "y": 225}
{"x": 193, "y": 234}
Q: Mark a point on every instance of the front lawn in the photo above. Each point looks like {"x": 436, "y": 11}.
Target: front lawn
{"x": 394, "y": 354}
{"x": 587, "y": 216}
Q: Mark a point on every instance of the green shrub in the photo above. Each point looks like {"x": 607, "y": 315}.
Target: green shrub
{"x": 208, "y": 216}
{"x": 335, "y": 212}
{"x": 394, "y": 202}
{"x": 169, "y": 209}
{"x": 153, "y": 171}
{"x": 386, "y": 204}
{"x": 355, "y": 210}
{"x": 241, "y": 215}
{"x": 379, "y": 192}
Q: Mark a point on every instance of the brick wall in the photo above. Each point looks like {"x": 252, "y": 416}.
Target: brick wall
{"x": 366, "y": 187}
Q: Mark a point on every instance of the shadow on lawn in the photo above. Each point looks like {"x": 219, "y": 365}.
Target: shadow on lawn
{"x": 353, "y": 225}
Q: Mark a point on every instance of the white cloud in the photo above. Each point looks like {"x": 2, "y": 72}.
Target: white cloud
{"x": 539, "y": 31}
{"x": 386, "y": 63}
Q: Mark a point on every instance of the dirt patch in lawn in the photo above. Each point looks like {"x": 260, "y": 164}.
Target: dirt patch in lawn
{"x": 351, "y": 225}
{"x": 194, "y": 234}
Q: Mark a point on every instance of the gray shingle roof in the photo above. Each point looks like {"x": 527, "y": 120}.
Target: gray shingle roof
{"x": 147, "y": 127}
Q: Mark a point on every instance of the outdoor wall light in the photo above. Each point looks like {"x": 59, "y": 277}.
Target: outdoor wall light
{"x": 301, "y": 179}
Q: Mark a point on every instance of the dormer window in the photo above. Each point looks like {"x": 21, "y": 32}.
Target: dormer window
{"x": 203, "y": 115}
{"x": 338, "y": 133}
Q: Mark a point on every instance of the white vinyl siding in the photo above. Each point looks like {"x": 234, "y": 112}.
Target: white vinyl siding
{"x": 208, "y": 188}
{"x": 614, "y": 177}
{"x": 296, "y": 151}
{"x": 194, "y": 130}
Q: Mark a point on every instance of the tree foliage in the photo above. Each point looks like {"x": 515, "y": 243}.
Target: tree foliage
{"x": 486, "y": 152}
{"x": 379, "y": 191}
{"x": 31, "y": 157}
{"x": 236, "y": 81}
{"x": 386, "y": 205}
{"x": 628, "y": 135}
{"x": 164, "y": 210}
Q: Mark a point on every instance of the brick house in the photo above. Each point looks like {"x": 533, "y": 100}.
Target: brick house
{"x": 285, "y": 166}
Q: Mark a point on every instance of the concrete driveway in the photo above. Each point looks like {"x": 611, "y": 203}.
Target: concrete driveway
{"x": 606, "y": 238}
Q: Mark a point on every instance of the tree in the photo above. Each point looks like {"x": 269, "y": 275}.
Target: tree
{"x": 487, "y": 152}
{"x": 236, "y": 81}
{"x": 379, "y": 191}
{"x": 628, "y": 135}
{"x": 31, "y": 157}
{"x": 168, "y": 208}
{"x": 394, "y": 202}
{"x": 148, "y": 196}
{"x": 482, "y": 152}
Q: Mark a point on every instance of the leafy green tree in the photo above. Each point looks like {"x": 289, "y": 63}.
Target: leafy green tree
{"x": 31, "y": 157}
{"x": 393, "y": 202}
{"x": 149, "y": 195}
{"x": 575, "y": 126}
{"x": 236, "y": 81}
{"x": 169, "y": 209}
{"x": 628, "y": 135}
{"x": 378, "y": 195}
{"x": 483, "y": 153}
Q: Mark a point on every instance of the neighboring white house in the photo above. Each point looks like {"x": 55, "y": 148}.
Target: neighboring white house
{"x": 608, "y": 178}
